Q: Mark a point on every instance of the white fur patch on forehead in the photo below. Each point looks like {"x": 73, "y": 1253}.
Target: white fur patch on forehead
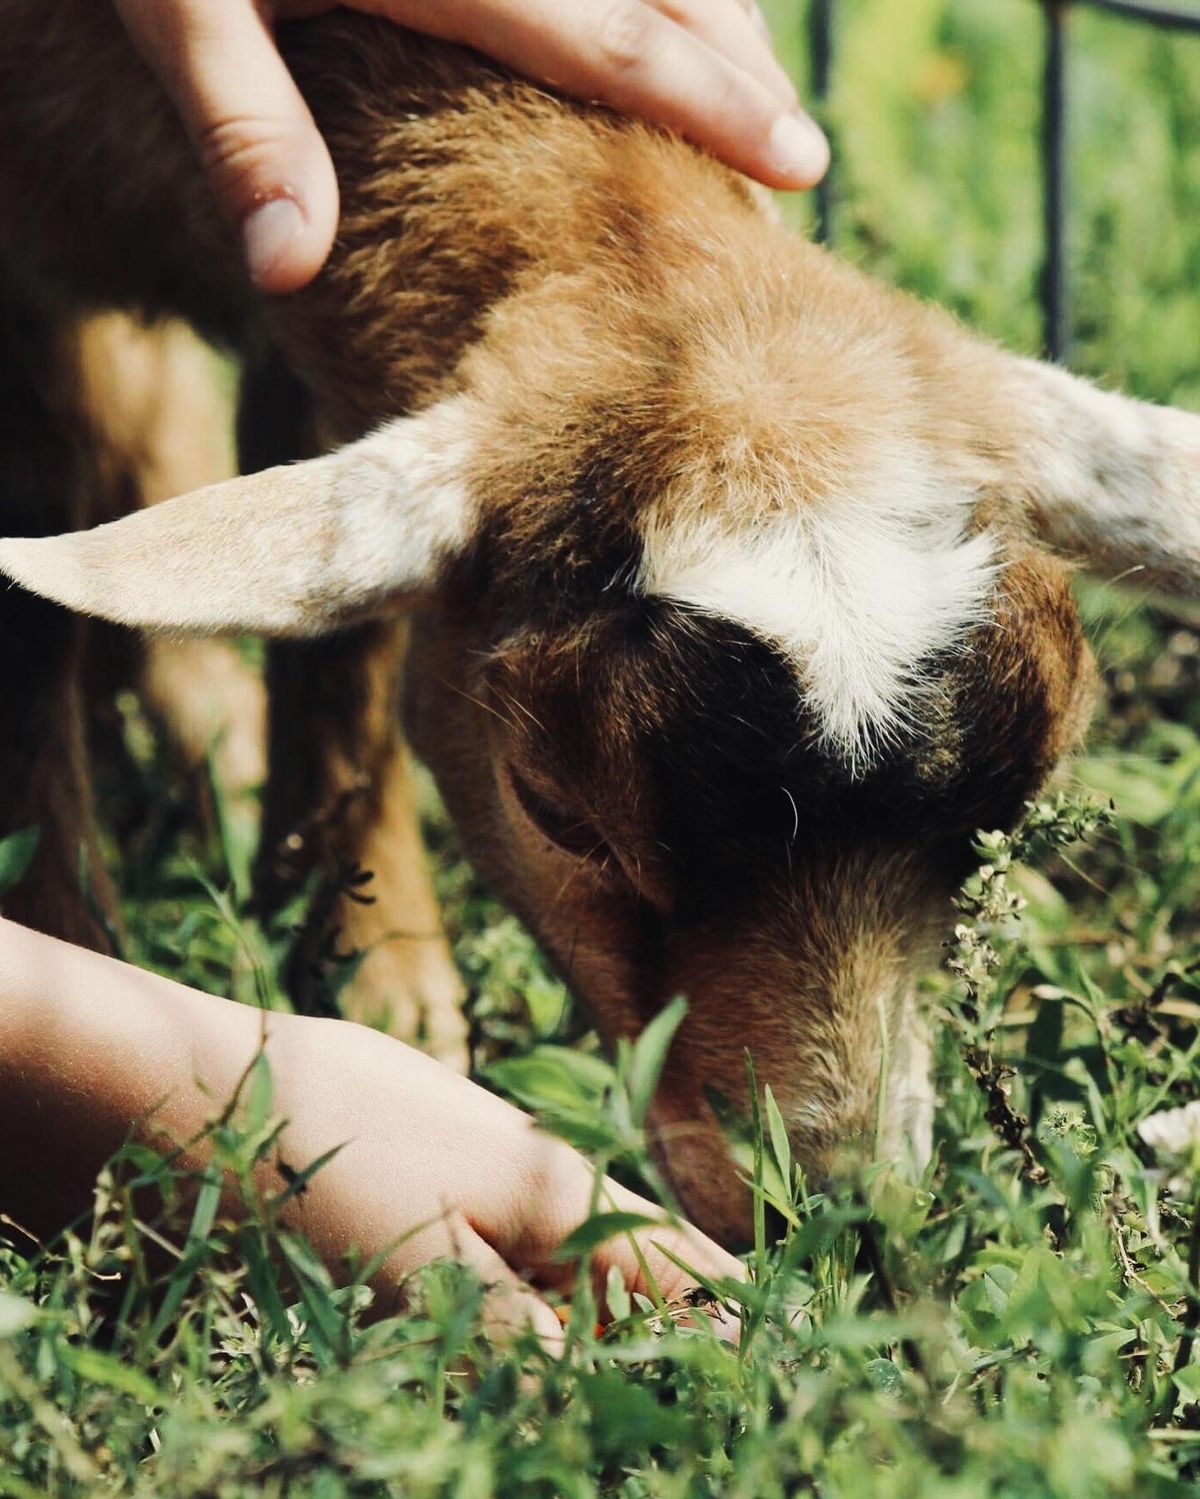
{"x": 860, "y": 591}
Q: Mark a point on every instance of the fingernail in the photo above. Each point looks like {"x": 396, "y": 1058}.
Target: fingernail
{"x": 797, "y": 149}
{"x": 268, "y": 233}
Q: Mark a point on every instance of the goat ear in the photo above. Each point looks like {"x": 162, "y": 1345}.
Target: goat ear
{"x": 292, "y": 551}
{"x": 1112, "y": 481}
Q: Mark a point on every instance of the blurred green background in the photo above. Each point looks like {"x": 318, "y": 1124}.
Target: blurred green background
{"x": 936, "y": 112}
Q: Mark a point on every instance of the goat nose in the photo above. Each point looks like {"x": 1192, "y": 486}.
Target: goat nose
{"x": 844, "y": 1142}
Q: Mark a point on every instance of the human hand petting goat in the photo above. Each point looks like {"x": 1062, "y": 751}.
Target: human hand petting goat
{"x": 704, "y": 68}
{"x": 426, "y": 1164}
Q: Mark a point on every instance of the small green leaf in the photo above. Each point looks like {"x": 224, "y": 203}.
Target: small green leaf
{"x": 885, "y": 1376}
{"x": 261, "y": 1099}
{"x": 625, "y": 1416}
{"x": 325, "y": 1326}
{"x": 780, "y": 1145}
{"x": 16, "y": 855}
{"x": 591, "y": 1137}
{"x": 648, "y": 1054}
{"x": 298, "y": 1180}
{"x": 616, "y": 1295}
{"x": 204, "y": 1214}
{"x": 98, "y": 1367}
{"x": 551, "y": 1077}
{"x": 996, "y": 1285}
{"x": 264, "y": 1285}
{"x": 601, "y": 1226}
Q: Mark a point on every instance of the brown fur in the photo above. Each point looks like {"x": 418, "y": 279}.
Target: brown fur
{"x": 53, "y": 473}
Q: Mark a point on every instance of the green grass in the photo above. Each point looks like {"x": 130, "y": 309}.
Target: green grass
{"x": 1017, "y": 1325}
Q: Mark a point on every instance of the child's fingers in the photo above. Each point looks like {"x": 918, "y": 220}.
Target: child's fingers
{"x": 509, "y": 1304}
{"x": 527, "y": 1225}
{"x": 671, "y": 1260}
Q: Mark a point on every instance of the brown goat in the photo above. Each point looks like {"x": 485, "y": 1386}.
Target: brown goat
{"x": 733, "y": 578}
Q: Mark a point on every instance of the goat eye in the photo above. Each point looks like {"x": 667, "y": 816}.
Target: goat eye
{"x": 561, "y": 825}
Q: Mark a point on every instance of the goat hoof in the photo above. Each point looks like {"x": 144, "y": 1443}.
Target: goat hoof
{"x": 417, "y": 998}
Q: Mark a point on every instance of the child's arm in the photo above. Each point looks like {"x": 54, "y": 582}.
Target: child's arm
{"x": 90, "y": 1046}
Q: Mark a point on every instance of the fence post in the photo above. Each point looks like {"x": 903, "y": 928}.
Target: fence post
{"x": 1056, "y": 300}
{"x": 820, "y": 50}
{"x": 1168, "y": 17}
{"x": 1055, "y": 287}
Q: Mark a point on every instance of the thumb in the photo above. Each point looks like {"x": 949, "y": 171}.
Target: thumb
{"x": 259, "y": 146}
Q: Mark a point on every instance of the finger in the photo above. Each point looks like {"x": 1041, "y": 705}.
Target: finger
{"x": 628, "y": 55}
{"x": 647, "y": 1258}
{"x": 675, "y": 1264}
{"x": 262, "y": 153}
{"x": 509, "y": 1305}
{"x": 557, "y": 1198}
{"x": 729, "y": 28}
{"x": 643, "y": 64}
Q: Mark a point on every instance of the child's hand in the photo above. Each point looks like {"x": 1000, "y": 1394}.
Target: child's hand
{"x": 702, "y": 67}
{"x": 423, "y": 1149}
{"x": 424, "y": 1160}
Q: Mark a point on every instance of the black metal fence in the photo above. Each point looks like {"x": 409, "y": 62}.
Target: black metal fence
{"x": 1055, "y": 284}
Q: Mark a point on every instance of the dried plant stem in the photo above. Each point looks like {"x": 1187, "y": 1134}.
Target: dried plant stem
{"x": 1191, "y": 1319}
{"x": 1011, "y": 1126}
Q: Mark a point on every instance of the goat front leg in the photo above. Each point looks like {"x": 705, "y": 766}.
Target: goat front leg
{"x": 340, "y": 809}
{"x": 44, "y": 775}
{"x": 163, "y": 401}
{"x": 51, "y": 475}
